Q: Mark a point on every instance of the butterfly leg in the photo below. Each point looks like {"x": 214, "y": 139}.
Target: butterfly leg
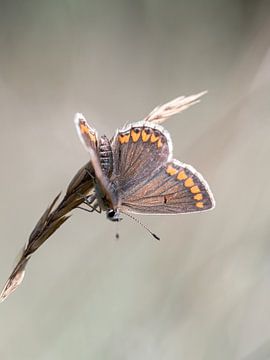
{"x": 88, "y": 200}
{"x": 98, "y": 210}
{"x": 88, "y": 172}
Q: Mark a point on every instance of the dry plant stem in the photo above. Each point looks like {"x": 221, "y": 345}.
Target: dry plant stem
{"x": 81, "y": 184}
{"x": 163, "y": 112}
{"x": 49, "y": 222}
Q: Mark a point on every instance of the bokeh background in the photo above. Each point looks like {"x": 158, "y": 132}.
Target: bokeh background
{"x": 203, "y": 292}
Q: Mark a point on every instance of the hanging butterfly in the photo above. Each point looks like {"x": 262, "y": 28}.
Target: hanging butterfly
{"x": 134, "y": 172}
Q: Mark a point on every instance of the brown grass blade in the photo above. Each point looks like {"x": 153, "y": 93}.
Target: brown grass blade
{"x": 15, "y": 278}
{"x": 49, "y": 222}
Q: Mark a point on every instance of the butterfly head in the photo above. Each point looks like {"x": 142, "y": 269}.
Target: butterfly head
{"x": 113, "y": 215}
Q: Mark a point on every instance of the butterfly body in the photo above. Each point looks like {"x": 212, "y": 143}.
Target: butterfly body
{"x": 135, "y": 172}
{"x": 105, "y": 155}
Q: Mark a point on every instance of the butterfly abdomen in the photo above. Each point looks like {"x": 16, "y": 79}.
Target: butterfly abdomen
{"x": 105, "y": 156}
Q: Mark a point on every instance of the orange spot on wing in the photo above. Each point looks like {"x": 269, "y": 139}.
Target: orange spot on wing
{"x": 195, "y": 189}
{"x": 123, "y": 138}
{"x": 154, "y": 138}
{"x": 126, "y": 138}
{"x": 182, "y": 175}
{"x": 171, "y": 170}
{"x": 92, "y": 137}
{"x": 198, "y": 197}
{"x": 84, "y": 129}
{"x": 145, "y": 136}
{"x": 159, "y": 143}
{"x": 189, "y": 182}
{"x": 199, "y": 205}
{"x": 135, "y": 135}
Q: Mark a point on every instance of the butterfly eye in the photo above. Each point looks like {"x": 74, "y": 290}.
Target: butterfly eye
{"x": 113, "y": 215}
{"x": 110, "y": 213}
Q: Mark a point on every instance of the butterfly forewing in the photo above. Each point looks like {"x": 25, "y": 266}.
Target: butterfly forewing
{"x": 87, "y": 135}
{"x": 106, "y": 196}
{"x": 138, "y": 152}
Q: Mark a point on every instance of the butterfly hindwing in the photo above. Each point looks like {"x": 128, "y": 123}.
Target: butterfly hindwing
{"x": 173, "y": 188}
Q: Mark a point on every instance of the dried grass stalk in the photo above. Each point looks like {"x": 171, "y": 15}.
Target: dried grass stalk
{"x": 49, "y": 222}
{"x": 81, "y": 184}
{"x": 163, "y": 112}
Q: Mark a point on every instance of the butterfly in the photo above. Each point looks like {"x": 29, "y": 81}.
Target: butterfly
{"x": 134, "y": 172}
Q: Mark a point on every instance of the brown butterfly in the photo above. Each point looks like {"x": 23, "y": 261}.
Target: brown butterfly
{"x": 134, "y": 172}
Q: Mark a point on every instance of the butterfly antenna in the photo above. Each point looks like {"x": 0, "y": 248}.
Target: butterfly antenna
{"x": 138, "y": 221}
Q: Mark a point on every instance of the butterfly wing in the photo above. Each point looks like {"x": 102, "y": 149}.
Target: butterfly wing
{"x": 89, "y": 138}
{"x": 149, "y": 181}
{"x": 138, "y": 151}
{"x": 87, "y": 135}
{"x": 174, "y": 188}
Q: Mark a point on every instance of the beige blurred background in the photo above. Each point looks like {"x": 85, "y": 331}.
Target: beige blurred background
{"x": 203, "y": 292}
